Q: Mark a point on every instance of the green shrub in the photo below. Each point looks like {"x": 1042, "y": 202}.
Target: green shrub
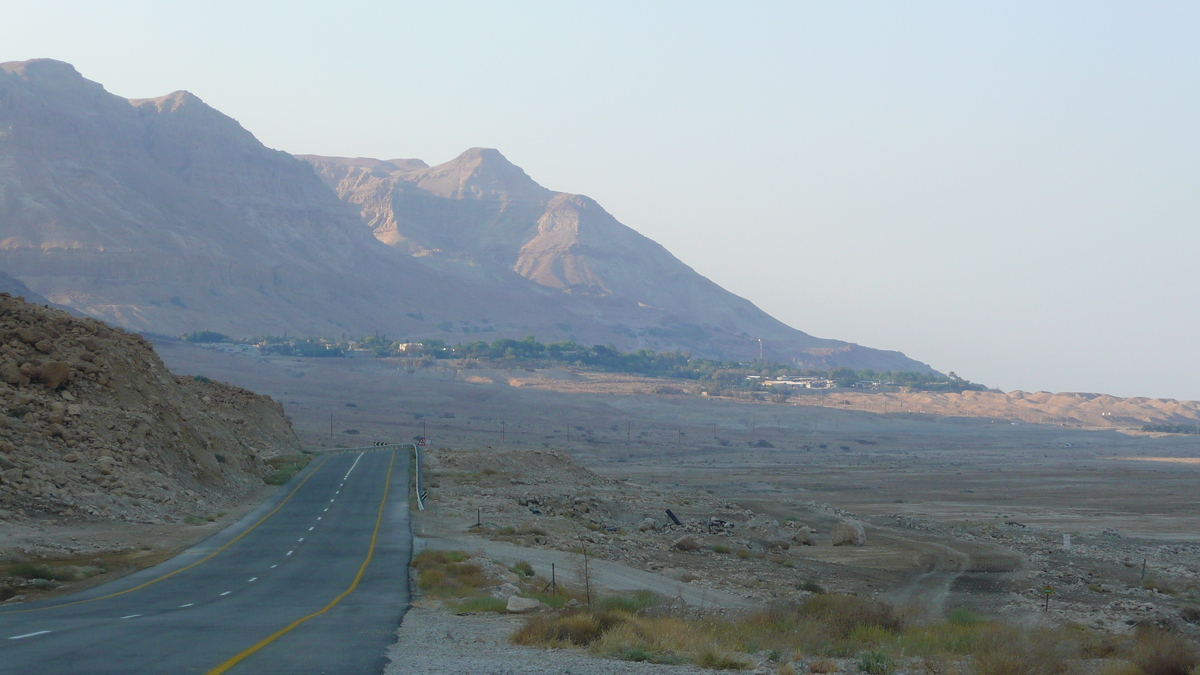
{"x": 630, "y": 604}
{"x": 480, "y": 604}
{"x": 876, "y": 663}
{"x": 522, "y": 568}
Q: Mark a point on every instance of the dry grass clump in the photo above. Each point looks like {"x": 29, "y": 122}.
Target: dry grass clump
{"x": 448, "y": 575}
{"x": 1160, "y": 653}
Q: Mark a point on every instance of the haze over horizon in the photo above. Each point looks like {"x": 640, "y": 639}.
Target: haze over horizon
{"x": 1003, "y": 192}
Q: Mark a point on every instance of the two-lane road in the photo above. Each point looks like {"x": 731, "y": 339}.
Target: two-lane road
{"x": 315, "y": 581}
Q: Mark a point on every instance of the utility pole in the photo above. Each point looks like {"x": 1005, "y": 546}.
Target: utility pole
{"x": 503, "y": 430}
{"x": 760, "y": 352}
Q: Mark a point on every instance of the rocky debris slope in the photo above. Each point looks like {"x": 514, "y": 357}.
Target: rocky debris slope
{"x": 93, "y": 425}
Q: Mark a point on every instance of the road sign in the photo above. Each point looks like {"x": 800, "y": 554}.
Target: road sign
{"x": 421, "y": 441}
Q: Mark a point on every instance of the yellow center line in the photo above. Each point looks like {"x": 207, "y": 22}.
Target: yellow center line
{"x": 363, "y": 568}
{"x": 182, "y": 569}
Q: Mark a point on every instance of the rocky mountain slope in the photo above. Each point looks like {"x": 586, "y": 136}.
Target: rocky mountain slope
{"x": 481, "y": 211}
{"x": 93, "y": 425}
{"x": 165, "y": 215}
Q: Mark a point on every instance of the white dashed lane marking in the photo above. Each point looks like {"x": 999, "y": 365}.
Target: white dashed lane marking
{"x": 252, "y": 580}
{"x": 131, "y": 616}
{"x": 187, "y": 605}
{"x": 301, "y": 538}
{"x": 274, "y": 566}
{"x": 352, "y": 466}
{"x": 289, "y": 552}
{"x": 28, "y": 635}
{"x": 226, "y": 593}
{"x": 310, "y": 529}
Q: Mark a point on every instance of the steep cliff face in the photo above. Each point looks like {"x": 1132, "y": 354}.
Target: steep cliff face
{"x": 93, "y": 424}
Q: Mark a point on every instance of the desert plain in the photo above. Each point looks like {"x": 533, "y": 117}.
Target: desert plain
{"x": 972, "y": 509}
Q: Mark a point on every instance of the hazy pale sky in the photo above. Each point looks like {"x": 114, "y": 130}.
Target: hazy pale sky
{"x": 1007, "y": 190}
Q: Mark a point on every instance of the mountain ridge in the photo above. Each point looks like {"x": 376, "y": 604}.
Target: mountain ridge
{"x": 166, "y": 215}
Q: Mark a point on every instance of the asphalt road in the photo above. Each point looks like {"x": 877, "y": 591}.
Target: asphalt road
{"x": 315, "y": 581}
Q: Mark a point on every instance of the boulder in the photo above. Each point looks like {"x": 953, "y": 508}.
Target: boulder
{"x": 804, "y": 536}
{"x": 848, "y": 533}
{"x": 519, "y": 605}
{"x": 54, "y": 374}
{"x": 10, "y": 373}
{"x": 647, "y": 525}
{"x": 776, "y": 540}
{"x": 686, "y": 543}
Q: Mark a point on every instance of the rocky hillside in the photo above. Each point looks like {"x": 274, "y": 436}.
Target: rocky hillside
{"x": 165, "y": 215}
{"x": 94, "y": 425}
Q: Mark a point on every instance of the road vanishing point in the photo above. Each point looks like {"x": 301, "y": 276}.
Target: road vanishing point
{"x": 314, "y": 581}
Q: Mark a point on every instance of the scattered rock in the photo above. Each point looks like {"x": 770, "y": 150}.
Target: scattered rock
{"x": 54, "y": 374}
{"x": 848, "y": 533}
{"x": 686, "y": 543}
{"x": 804, "y": 536}
{"x": 647, "y": 525}
{"x": 519, "y": 605}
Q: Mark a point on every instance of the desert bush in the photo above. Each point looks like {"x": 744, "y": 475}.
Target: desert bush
{"x": 522, "y": 568}
{"x": 630, "y": 604}
{"x": 1190, "y": 613}
{"x": 1161, "y": 653}
{"x": 447, "y": 574}
{"x": 822, "y": 666}
{"x": 576, "y": 629}
{"x": 876, "y": 662}
{"x": 811, "y": 586}
{"x": 710, "y": 657}
{"x": 843, "y": 614}
{"x": 721, "y": 548}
